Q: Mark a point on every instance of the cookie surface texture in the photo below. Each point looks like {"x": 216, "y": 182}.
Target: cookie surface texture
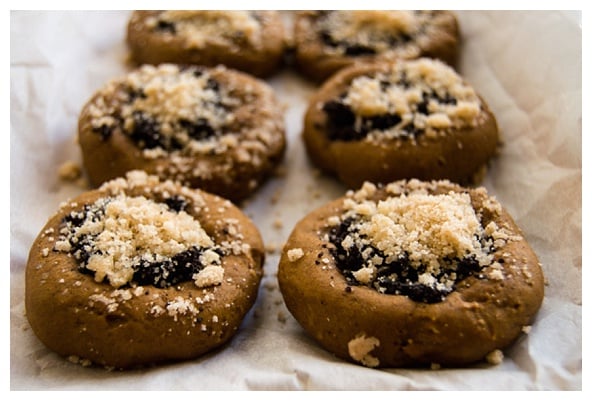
{"x": 214, "y": 129}
{"x": 142, "y": 271}
{"x": 411, "y": 274}
{"x": 383, "y": 122}
{"x": 250, "y": 41}
{"x": 327, "y": 41}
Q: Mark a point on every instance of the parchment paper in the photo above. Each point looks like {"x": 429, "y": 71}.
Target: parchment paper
{"x": 528, "y": 67}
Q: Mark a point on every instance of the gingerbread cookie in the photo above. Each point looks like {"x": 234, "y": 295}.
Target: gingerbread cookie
{"x": 411, "y": 274}
{"x": 386, "y": 121}
{"x": 250, "y": 41}
{"x": 214, "y": 129}
{"x": 142, "y": 271}
{"x": 327, "y": 41}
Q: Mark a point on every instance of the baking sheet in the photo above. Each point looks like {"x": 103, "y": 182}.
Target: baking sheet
{"x": 527, "y": 65}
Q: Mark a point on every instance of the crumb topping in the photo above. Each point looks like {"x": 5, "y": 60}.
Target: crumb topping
{"x": 367, "y": 32}
{"x": 165, "y": 109}
{"x": 130, "y": 240}
{"x": 294, "y": 254}
{"x": 413, "y": 242}
{"x": 201, "y": 28}
{"x": 412, "y": 98}
{"x": 204, "y": 121}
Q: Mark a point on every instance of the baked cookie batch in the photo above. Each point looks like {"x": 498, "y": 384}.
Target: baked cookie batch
{"x": 394, "y": 120}
{"x": 412, "y": 273}
{"x": 408, "y": 269}
{"x": 141, "y": 271}
{"x": 213, "y": 128}
{"x": 327, "y": 41}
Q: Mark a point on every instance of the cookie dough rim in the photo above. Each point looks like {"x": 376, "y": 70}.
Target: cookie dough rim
{"x": 324, "y": 151}
{"x": 121, "y": 150}
{"x": 359, "y": 308}
{"x": 242, "y": 276}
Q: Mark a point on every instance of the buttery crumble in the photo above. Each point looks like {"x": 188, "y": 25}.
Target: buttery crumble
{"x": 363, "y": 32}
{"x": 414, "y": 243}
{"x": 133, "y": 240}
{"x": 201, "y": 28}
{"x": 359, "y": 349}
{"x": 412, "y": 98}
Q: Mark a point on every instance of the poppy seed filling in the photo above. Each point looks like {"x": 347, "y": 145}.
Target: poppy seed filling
{"x": 200, "y": 28}
{"x": 413, "y": 98}
{"x": 124, "y": 240}
{"x": 366, "y": 32}
{"x": 417, "y": 244}
{"x": 166, "y": 109}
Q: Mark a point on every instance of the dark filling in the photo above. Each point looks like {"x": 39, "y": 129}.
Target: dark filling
{"x": 342, "y": 123}
{"x": 398, "y": 277}
{"x": 199, "y": 129}
{"x": 104, "y": 130}
{"x": 107, "y": 130}
{"x": 177, "y": 269}
{"x": 354, "y": 49}
{"x": 146, "y": 133}
{"x": 165, "y": 26}
{"x": 350, "y": 49}
{"x": 176, "y": 203}
{"x": 146, "y": 128}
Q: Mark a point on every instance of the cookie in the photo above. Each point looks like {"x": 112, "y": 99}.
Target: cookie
{"x": 216, "y": 129}
{"x": 387, "y": 121}
{"x": 250, "y": 41}
{"x": 413, "y": 273}
{"x": 327, "y": 41}
{"x": 142, "y": 271}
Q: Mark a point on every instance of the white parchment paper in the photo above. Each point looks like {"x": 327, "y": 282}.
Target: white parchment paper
{"x": 528, "y": 67}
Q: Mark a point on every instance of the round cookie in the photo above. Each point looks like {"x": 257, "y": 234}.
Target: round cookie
{"x": 250, "y": 41}
{"x": 215, "y": 129}
{"x": 327, "y": 41}
{"x": 411, "y": 274}
{"x": 142, "y": 271}
{"x": 387, "y": 121}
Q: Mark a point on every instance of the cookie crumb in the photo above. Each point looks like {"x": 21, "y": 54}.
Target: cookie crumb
{"x": 359, "y": 349}
{"x": 278, "y": 224}
{"x": 69, "y": 171}
{"x": 281, "y": 317}
{"x": 79, "y": 361}
{"x": 294, "y": 254}
{"x": 526, "y": 329}
{"x": 495, "y": 357}
{"x": 210, "y": 275}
